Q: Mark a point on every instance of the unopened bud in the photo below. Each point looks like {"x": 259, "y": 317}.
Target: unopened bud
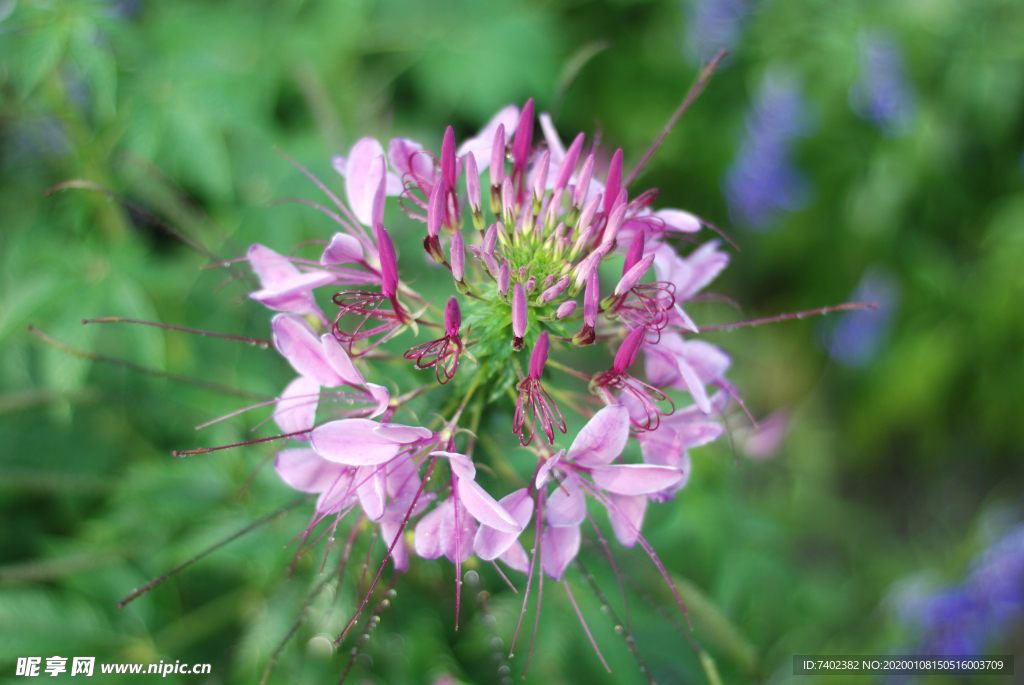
{"x": 583, "y": 184}
{"x": 504, "y": 278}
{"x": 565, "y": 309}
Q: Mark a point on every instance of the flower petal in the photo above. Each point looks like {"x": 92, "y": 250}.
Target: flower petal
{"x": 270, "y": 267}
{"x": 627, "y": 516}
{"x": 603, "y": 438}
{"x": 678, "y": 220}
{"x": 390, "y": 532}
{"x": 383, "y": 397}
{"x": 566, "y": 506}
{"x": 426, "y": 541}
{"x": 362, "y": 177}
{"x": 355, "y": 442}
{"x": 480, "y": 144}
{"x": 490, "y": 543}
{"x": 516, "y": 558}
{"x": 339, "y": 360}
{"x": 296, "y": 410}
{"x": 559, "y": 546}
{"x": 371, "y": 487}
{"x": 296, "y": 341}
{"x": 342, "y": 249}
{"x": 306, "y": 471}
{"x": 635, "y": 479}
{"x": 485, "y": 508}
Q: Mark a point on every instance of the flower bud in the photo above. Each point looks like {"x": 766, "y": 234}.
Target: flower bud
{"x": 628, "y": 350}
{"x": 523, "y": 141}
{"x": 473, "y": 191}
{"x": 583, "y": 184}
{"x": 614, "y": 183}
{"x": 565, "y": 309}
{"x": 633, "y": 276}
{"x": 569, "y": 163}
{"x": 554, "y": 291}
{"x": 388, "y": 262}
{"x": 452, "y": 317}
{"x": 539, "y": 356}
{"x": 520, "y": 316}
{"x": 531, "y": 284}
{"x": 504, "y": 278}
{"x": 540, "y": 178}
{"x": 497, "y": 168}
{"x": 458, "y": 257}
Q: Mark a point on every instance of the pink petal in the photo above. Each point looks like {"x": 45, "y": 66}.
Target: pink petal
{"x": 339, "y": 361}
{"x": 566, "y": 506}
{"x": 559, "y": 546}
{"x": 603, "y": 438}
{"x": 765, "y": 440}
{"x": 555, "y": 146}
{"x": 678, "y": 220}
{"x": 402, "y": 153}
{"x": 480, "y": 144}
{"x": 396, "y": 432}
{"x": 703, "y": 265}
{"x": 296, "y": 410}
{"x": 343, "y": 248}
{"x": 383, "y": 397}
{"x": 389, "y": 532}
{"x": 462, "y": 466}
{"x": 427, "y": 540}
{"x": 627, "y": 516}
{"x": 545, "y": 468}
{"x": 635, "y": 479}
{"x": 695, "y": 386}
{"x": 338, "y": 496}
{"x": 709, "y": 361}
{"x": 371, "y": 487}
{"x": 485, "y": 508}
{"x": 270, "y": 267}
{"x": 306, "y": 471}
{"x": 403, "y": 478}
{"x": 456, "y": 545}
{"x": 362, "y": 177}
{"x": 491, "y": 543}
{"x": 355, "y": 442}
{"x": 516, "y": 558}
{"x": 398, "y": 510}
{"x": 296, "y": 341}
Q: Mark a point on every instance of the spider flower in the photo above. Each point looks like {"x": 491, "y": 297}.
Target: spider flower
{"x": 524, "y": 292}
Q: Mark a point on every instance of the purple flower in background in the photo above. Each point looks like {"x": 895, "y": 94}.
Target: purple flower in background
{"x": 762, "y": 182}
{"x": 855, "y": 338}
{"x": 713, "y": 25}
{"x": 965, "y": 618}
{"x": 882, "y": 95}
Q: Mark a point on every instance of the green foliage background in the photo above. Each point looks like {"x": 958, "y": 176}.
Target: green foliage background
{"x": 905, "y": 468}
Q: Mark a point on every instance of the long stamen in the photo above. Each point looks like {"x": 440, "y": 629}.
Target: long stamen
{"x": 848, "y": 306}
{"x": 260, "y": 342}
{"x": 586, "y": 628}
{"x": 81, "y": 354}
{"x": 204, "y": 450}
{"x": 688, "y": 99}
{"x": 529, "y": 575}
{"x": 212, "y": 548}
{"x": 398, "y": 536}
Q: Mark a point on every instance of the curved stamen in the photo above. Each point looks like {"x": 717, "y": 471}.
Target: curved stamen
{"x": 367, "y": 306}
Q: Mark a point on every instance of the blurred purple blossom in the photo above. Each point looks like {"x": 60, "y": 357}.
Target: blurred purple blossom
{"x": 883, "y": 95}
{"x": 855, "y": 338}
{"x": 965, "y": 618}
{"x": 762, "y": 181}
{"x": 713, "y": 25}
